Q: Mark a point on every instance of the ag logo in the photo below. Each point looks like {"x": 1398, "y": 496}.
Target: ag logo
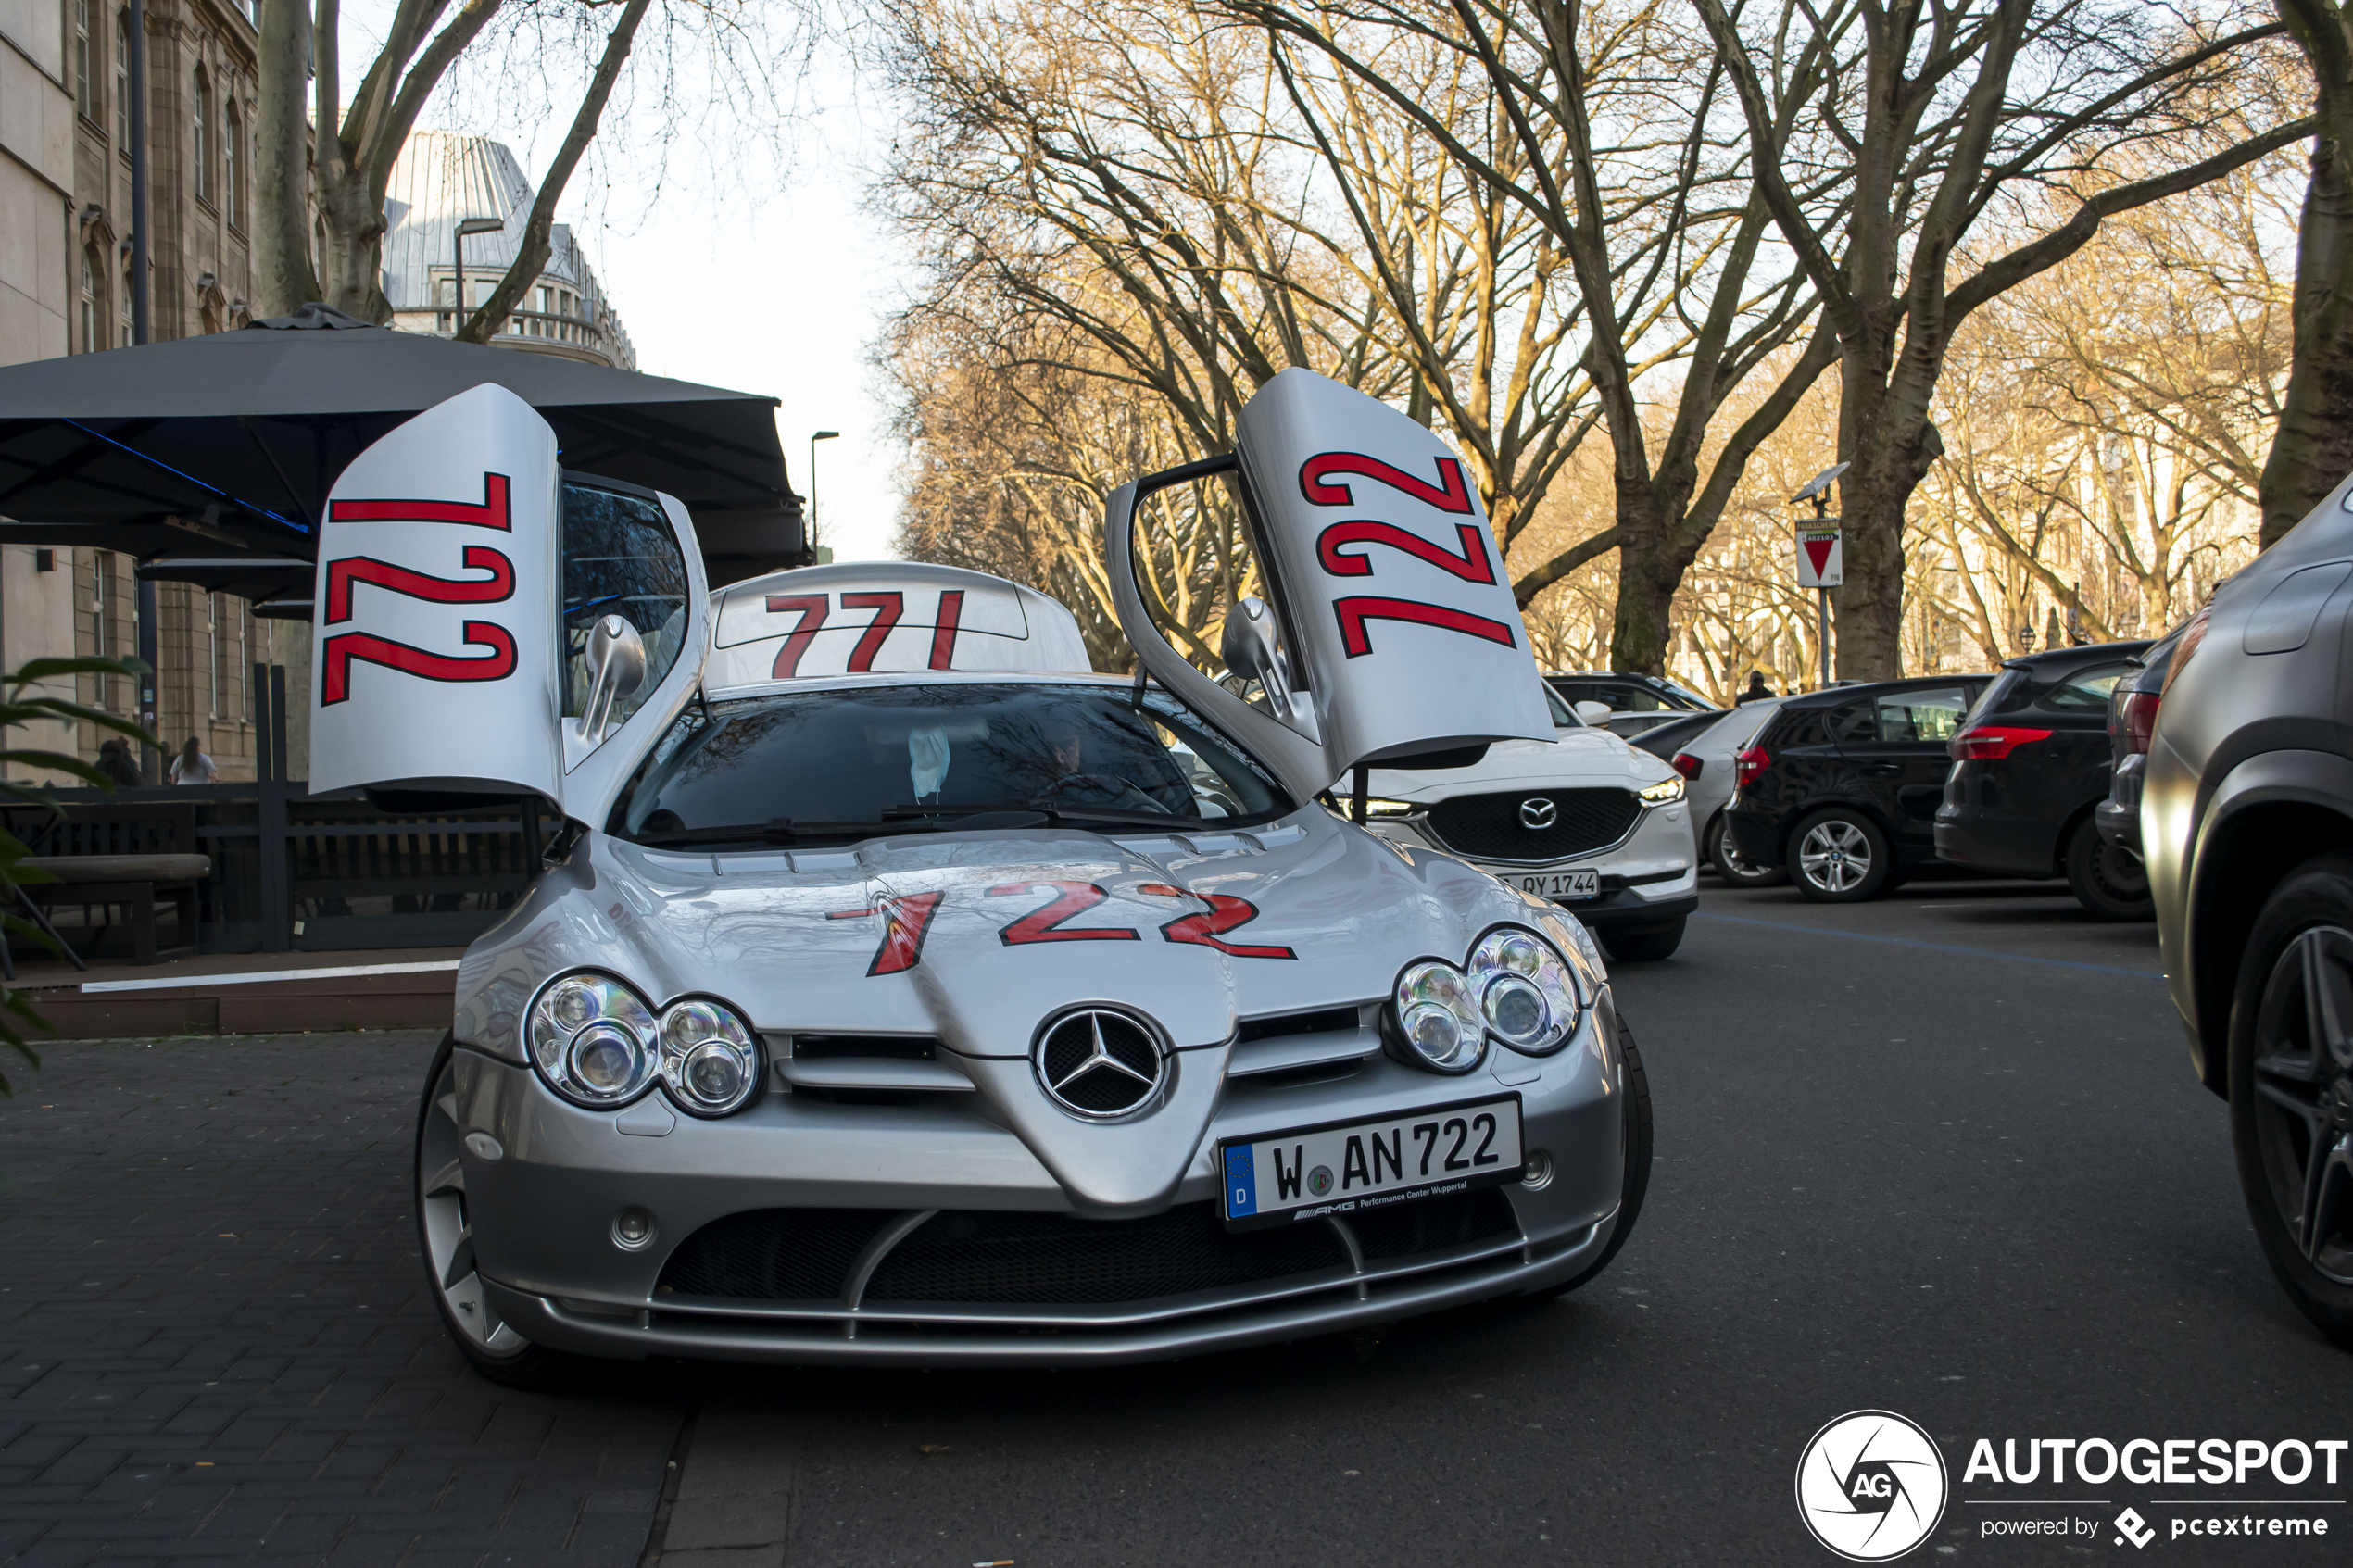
{"x": 1871, "y": 1486}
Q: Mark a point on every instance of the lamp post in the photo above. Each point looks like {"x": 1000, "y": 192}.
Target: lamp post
{"x": 820, "y": 435}
{"x": 457, "y": 249}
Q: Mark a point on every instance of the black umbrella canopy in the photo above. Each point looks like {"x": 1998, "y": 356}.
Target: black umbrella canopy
{"x": 207, "y": 447}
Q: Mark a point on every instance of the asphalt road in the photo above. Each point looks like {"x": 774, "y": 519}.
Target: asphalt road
{"x": 1941, "y": 1154}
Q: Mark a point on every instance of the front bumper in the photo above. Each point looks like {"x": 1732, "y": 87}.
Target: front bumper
{"x": 543, "y": 1217}
{"x": 1649, "y": 879}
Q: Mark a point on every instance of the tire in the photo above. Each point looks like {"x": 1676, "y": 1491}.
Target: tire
{"x": 445, "y": 1239}
{"x": 1638, "y": 1160}
{"x": 2291, "y": 1089}
{"x": 1725, "y": 857}
{"x": 1644, "y": 945}
{"x": 2111, "y": 882}
{"x": 1839, "y": 856}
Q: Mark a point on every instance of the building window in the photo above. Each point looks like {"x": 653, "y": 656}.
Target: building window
{"x": 122, "y": 83}
{"x": 201, "y": 113}
{"x": 82, "y": 88}
{"x": 93, "y": 335}
{"x": 126, "y": 318}
{"x": 233, "y": 196}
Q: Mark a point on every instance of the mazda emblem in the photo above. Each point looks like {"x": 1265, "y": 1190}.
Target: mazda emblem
{"x": 1539, "y": 812}
{"x": 1099, "y": 1064}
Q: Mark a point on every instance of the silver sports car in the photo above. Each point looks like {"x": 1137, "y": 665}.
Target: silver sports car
{"x": 895, "y": 992}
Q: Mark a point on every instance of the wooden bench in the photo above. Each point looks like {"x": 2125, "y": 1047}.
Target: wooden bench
{"x": 136, "y": 855}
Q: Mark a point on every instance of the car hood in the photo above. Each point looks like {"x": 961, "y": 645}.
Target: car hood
{"x": 1307, "y": 913}
{"x": 1580, "y": 758}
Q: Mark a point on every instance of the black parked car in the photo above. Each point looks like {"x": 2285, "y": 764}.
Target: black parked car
{"x": 2029, "y": 766}
{"x": 1842, "y": 785}
{"x": 2132, "y": 722}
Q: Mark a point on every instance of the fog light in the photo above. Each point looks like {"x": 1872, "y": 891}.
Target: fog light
{"x": 632, "y": 1228}
{"x": 1539, "y": 1171}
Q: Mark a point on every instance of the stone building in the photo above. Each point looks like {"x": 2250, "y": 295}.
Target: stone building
{"x": 65, "y": 288}
{"x": 441, "y": 178}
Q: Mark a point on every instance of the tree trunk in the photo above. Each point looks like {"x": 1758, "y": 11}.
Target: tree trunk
{"x": 284, "y": 279}
{"x": 1884, "y": 432}
{"x": 2312, "y": 450}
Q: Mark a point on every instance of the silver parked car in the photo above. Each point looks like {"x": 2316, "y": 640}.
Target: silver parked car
{"x": 2247, "y": 828}
{"x": 896, "y": 990}
{"x": 1706, "y": 761}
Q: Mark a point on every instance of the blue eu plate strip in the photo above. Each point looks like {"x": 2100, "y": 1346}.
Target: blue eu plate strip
{"x": 1242, "y": 1182}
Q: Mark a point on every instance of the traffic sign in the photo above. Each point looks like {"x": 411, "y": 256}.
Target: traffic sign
{"x": 1821, "y": 560}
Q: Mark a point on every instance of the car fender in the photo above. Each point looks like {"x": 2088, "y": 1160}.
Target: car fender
{"x": 2238, "y": 853}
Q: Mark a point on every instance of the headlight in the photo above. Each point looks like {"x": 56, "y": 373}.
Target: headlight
{"x": 1517, "y": 989}
{"x": 593, "y": 1040}
{"x": 1663, "y": 793}
{"x": 1525, "y": 990}
{"x": 1440, "y": 1018}
{"x": 708, "y": 1062}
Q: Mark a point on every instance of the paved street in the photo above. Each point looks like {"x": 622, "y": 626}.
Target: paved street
{"x": 1940, "y": 1154}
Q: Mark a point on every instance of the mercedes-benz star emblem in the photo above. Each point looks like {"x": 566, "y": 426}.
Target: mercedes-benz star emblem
{"x": 1539, "y": 812}
{"x": 1100, "y": 1064}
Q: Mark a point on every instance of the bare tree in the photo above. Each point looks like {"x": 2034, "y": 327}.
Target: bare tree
{"x": 2002, "y": 119}
{"x": 2313, "y": 450}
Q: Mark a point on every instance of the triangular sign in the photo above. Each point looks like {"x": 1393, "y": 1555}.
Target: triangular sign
{"x": 1817, "y": 550}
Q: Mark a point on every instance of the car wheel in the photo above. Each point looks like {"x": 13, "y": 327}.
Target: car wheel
{"x": 1839, "y": 856}
{"x": 1725, "y": 857}
{"x": 445, "y": 1235}
{"x": 2111, "y": 882}
{"x": 2291, "y": 1083}
{"x": 1646, "y": 945}
{"x": 1636, "y": 1179}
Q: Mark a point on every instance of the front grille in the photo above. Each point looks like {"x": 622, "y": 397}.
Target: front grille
{"x": 1325, "y": 1021}
{"x": 1488, "y": 827}
{"x": 990, "y": 1257}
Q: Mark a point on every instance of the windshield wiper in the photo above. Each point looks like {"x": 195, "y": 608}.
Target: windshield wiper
{"x": 1031, "y": 815}
{"x": 775, "y": 830}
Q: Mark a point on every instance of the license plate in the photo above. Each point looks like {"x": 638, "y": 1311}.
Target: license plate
{"x": 1355, "y": 1167}
{"x": 1563, "y": 885}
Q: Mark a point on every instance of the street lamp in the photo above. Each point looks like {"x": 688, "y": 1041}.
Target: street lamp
{"x": 458, "y": 247}
{"x": 820, "y": 435}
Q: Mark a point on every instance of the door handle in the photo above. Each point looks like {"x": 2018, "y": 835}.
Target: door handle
{"x": 1882, "y": 769}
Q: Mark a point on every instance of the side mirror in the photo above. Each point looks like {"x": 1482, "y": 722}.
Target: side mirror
{"x": 1596, "y": 714}
{"x": 616, "y": 669}
{"x": 1250, "y": 649}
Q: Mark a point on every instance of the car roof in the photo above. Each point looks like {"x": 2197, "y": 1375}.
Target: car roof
{"x": 2087, "y": 653}
{"x": 1833, "y": 696}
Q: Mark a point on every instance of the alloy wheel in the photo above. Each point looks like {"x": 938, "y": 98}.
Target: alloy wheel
{"x": 448, "y": 1234}
{"x": 1835, "y": 855}
{"x": 2303, "y": 1110}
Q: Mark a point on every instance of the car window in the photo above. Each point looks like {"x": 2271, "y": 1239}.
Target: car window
{"x": 855, "y": 763}
{"x": 1802, "y": 726}
{"x": 620, "y": 558}
{"x": 2007, "y": 691}
{"x": 1580, "y": 691}
{"x": 1631, "y": 699}
{"x": 1931, "y": 714}
{"x": 2086, "y": 691}
{"x": 1854, "y": 722}
{"x": 1564, "y": 717}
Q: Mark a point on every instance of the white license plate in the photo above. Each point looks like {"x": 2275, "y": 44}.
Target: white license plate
{"x": 1350, "y": 1167}
{"x": 1563, "y": 885}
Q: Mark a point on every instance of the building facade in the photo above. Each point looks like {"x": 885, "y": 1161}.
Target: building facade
{"x": 441, "y": 178}
{"x": 65, "y": 288}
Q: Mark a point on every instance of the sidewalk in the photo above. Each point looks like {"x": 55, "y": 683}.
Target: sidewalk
{"x": 245, "y": 993}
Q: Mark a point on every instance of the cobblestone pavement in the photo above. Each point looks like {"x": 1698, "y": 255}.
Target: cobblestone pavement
{"x": 216, "y": 1344}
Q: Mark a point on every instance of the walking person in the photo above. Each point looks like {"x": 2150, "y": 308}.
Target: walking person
{"x": 1757, "y": 690}
{"x": 192, "y": 765}
{"x": 116, "y": 762}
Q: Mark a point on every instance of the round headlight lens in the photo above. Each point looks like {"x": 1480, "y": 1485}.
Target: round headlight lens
{"x": 1526, "y": 992}
{"x": 593, "y": 1040}
{"x": 1440, "y": 1017}
{"x": 710, "y": 1063}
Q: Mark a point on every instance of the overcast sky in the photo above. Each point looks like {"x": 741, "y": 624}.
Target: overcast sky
{"x": 741, "y": 268}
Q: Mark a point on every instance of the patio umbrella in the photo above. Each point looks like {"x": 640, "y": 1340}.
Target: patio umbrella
{"x": 210, "y": 458}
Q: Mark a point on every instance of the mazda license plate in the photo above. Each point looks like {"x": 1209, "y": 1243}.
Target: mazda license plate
{"x": 1354, "y": 1166}
{"x": 1563, "y": 885}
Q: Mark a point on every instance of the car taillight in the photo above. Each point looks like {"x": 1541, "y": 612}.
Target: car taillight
{"x": 1687, "y": 765}
{"x": 1991, "y": 742}
{"x": 1747, "y": 765}
{"x": 2136, "y": 722}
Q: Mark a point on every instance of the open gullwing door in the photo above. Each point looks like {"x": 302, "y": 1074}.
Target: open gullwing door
{"x": 1394, "y": 619}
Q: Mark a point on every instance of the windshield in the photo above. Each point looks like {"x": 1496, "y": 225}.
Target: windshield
{"x": 850, "y": 764}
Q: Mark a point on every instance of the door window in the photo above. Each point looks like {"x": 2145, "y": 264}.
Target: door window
{"x": 1854, "y": 724}
{"x": 1931, "y": 715}
{"x": 2085, "y": 691}
{"x": 620, "y": 558}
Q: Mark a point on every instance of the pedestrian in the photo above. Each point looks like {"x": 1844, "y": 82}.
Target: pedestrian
{"x": 116, "y": 762}
{"x": 192, "y": 765}
{"x": 1757, "y": 690}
